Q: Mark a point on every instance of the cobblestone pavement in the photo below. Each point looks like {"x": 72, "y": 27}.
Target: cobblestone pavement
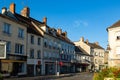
{"x": 72, "y": 76}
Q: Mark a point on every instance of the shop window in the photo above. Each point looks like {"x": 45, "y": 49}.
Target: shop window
{"x": 21, "y": 67}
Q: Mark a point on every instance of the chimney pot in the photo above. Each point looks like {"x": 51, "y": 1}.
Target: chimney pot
{"x": 64, "y": 34}
{"x": 4, "y": 9}
{"x": 96, "y": 43}
{"x": 25, "y": 12}
{"x": 12, "y": 8}
{"x": 87, "y": 41}
{"x": 82, "y": 39}
{"x": 45, "y": 20}
{"x": 59, "y": 31}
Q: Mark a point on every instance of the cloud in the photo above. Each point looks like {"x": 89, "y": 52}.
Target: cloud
{"x": 79, "y": 23}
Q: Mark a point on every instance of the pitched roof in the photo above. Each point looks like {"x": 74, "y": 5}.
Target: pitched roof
{"x": 117, "y": 24}
{"x": 79, "y": 50}
{"x": 93, "y": 45}
{"x": 31, "y": 28}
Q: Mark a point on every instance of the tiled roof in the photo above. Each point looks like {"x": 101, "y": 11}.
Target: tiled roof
{"x": 117, "y": 24}
{"x": 31, "y": 28}
{"x": 93, "y": 45}
{"x": 80, "y": 51}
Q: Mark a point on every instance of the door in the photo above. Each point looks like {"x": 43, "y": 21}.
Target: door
{"x": 15, "y": 69}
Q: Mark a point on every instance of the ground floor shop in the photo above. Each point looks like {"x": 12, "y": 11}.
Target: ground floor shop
{"x": 13, "y": 65}
{"x": 50, "y": 68}
{"x": 81, "y": 67}
{"x": 13, "y": 68}
{"x": 66, "y": 67}
{"x": 34, "y": 67}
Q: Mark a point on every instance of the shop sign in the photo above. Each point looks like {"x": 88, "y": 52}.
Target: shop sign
{"x": 2, "y": 50}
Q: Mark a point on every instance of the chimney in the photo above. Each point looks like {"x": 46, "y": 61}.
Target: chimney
{"x": 64, "y": 34}
{"x": 45, "y": 20}
{"x": 25, "y": 12}
{"x": 4, "y": 9}
{"x": 108, "y": 48}
{"x": 82, "y": 39}
{"x": 87, "y": 41}
{"x": 96, "y": 43}
{"x": 59, "y": 31}
{"x": 12, "y": 8}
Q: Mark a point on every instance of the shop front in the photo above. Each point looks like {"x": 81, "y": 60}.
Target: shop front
{"x": 65, "y": 67}
{"x": 33, "y": 67}
{"x": 50, "y": 68}
{"x": 13, "y": 65}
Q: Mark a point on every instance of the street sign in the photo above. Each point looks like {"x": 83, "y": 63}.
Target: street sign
{"x": 2, "y": 50}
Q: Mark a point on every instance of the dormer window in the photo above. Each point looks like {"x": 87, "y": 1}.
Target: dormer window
{"x": 118, "y": 37}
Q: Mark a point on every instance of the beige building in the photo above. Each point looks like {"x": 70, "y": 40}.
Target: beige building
{"x": 34, "y": 43}
{"x": 106, "y": 55}
{"x": 82, "y": 60}
{"x": 57, "y": 50}
{"x": 96, "y": 52}
{"x": 114, "y": 44}
{"x": 34, "y": 47}
{"x": 14, "y": 33}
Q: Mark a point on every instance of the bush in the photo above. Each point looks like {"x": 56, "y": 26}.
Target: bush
{"x": 112, "y": 72}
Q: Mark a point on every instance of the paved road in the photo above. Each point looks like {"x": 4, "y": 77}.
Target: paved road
{"x": 73, "y": 76}
{"x": 81, "y": 76}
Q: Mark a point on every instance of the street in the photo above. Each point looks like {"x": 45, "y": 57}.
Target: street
{"x": 81, "y": 76}
{"x": 72, "y": 76}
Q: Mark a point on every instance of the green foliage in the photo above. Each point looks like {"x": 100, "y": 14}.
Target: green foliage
{"x": 1, "y": 78}
{"x": 112, "y": 72}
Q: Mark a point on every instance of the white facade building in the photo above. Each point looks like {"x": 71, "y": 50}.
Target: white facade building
{"x": 114, "y": 44}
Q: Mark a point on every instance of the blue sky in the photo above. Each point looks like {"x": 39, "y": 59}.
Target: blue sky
{"x": 87, "y": 18}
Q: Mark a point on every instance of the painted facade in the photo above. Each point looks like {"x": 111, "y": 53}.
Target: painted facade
{"x": 114, "y": 44}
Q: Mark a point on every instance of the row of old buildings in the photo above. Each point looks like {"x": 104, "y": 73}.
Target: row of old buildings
{"x": 34, "y": 48}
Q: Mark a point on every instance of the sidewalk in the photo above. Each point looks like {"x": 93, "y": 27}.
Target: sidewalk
{"x": 42, "y": 77}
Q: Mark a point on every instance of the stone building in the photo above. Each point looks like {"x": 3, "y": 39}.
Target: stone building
{"x": 114, "y": 44}
{"x": 95, "y": 51}
{"x": 14, "y": 33}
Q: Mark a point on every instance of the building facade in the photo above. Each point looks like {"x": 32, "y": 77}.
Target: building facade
{"x": 95, "y": 51}
{"x": 82, "y": 60}
{"x": 114, "y": 44}
{"x": 14, "y": 34}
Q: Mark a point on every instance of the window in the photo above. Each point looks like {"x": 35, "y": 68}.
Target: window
{"x": 96, "y": 53}
{"x": 32, "y": 53}
{"x": 39, "y": 41}
{"x": 38, "y": 54}
{"x": 96, "y": 61}
{"x": 8, "y": 47}
{"x": 6, "y": 28}
{"x": 45, "y": 43}
{"x": 19, "y": 48}
{"x": 20, "y": 33}
{"x": 32, "y": 39}
{"x": 118, "y": 37}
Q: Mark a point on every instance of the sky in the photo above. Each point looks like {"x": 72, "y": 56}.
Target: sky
{"x": 80, "y": 18}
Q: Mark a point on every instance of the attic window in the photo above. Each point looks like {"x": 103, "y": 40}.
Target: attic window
{"x": 118, "y": 37}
